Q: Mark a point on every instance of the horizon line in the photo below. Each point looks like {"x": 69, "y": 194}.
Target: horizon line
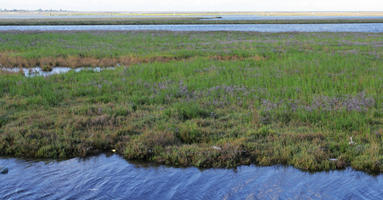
{"x": 171, "y": 11}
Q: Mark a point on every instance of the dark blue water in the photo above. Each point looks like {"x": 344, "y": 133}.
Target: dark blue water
{"x": 357, "y": 27}
{"x": 112, "y": 177}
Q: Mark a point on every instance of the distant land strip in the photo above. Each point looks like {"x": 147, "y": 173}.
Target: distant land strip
{"x": 172, "y": 20}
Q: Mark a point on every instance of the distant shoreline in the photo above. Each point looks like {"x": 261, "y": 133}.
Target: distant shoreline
{"x": 178, "y": 13}
{"x": 172, "y": 20}
{"x": 56, "y": 17}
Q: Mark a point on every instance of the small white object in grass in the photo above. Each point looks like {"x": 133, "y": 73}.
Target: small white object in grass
{"x": 333, "y": 159}
{"x": 216, "y": 148}
{"x": 351, "y": 142}
{"x": 114, "y": 150}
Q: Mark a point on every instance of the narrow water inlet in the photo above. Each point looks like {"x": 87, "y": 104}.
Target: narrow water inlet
{"x": 38, "y": 71}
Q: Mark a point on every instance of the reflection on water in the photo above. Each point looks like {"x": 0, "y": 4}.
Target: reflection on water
{"x": 352, "y": 27}
{"x": 37, "y": 71}
{"x": 112, "y": 177}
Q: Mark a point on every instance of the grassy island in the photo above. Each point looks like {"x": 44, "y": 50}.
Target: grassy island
{"x": 205, "y": 99}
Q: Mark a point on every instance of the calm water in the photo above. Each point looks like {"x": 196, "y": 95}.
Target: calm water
{"x": 261, "y": 17}
{"x": 358, "y": 27}
{"x": 112, "y": 177}
{"x": 177, "y": 15}
{"x": 37, "y": 71}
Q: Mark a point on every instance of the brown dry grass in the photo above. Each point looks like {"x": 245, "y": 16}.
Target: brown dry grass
{"x": 77, "y": 61}
{"x": 237, "y": 57}
{"x": 10, "y": 61}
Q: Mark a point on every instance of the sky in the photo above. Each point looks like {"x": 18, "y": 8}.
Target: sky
{"x": 196, "y": 5}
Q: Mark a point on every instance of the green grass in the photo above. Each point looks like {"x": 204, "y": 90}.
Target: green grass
{"x": 239, "y": 98}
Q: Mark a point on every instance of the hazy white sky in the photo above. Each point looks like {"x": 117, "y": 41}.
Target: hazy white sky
{"x": 197, "y": 5}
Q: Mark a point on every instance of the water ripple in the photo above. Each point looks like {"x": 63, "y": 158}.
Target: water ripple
{"x": 111, "y": 177}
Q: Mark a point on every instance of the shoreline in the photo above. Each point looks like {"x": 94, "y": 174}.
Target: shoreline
{"x": 173, "y": 21}
{"x": 141, "y": 13}
{"x": 145, "y": 164}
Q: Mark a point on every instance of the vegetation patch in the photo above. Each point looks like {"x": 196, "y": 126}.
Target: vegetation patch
{"x": 228, "y": 99}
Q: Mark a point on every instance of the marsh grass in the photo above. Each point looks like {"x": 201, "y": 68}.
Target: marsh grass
{"x": 243, "y": 98}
